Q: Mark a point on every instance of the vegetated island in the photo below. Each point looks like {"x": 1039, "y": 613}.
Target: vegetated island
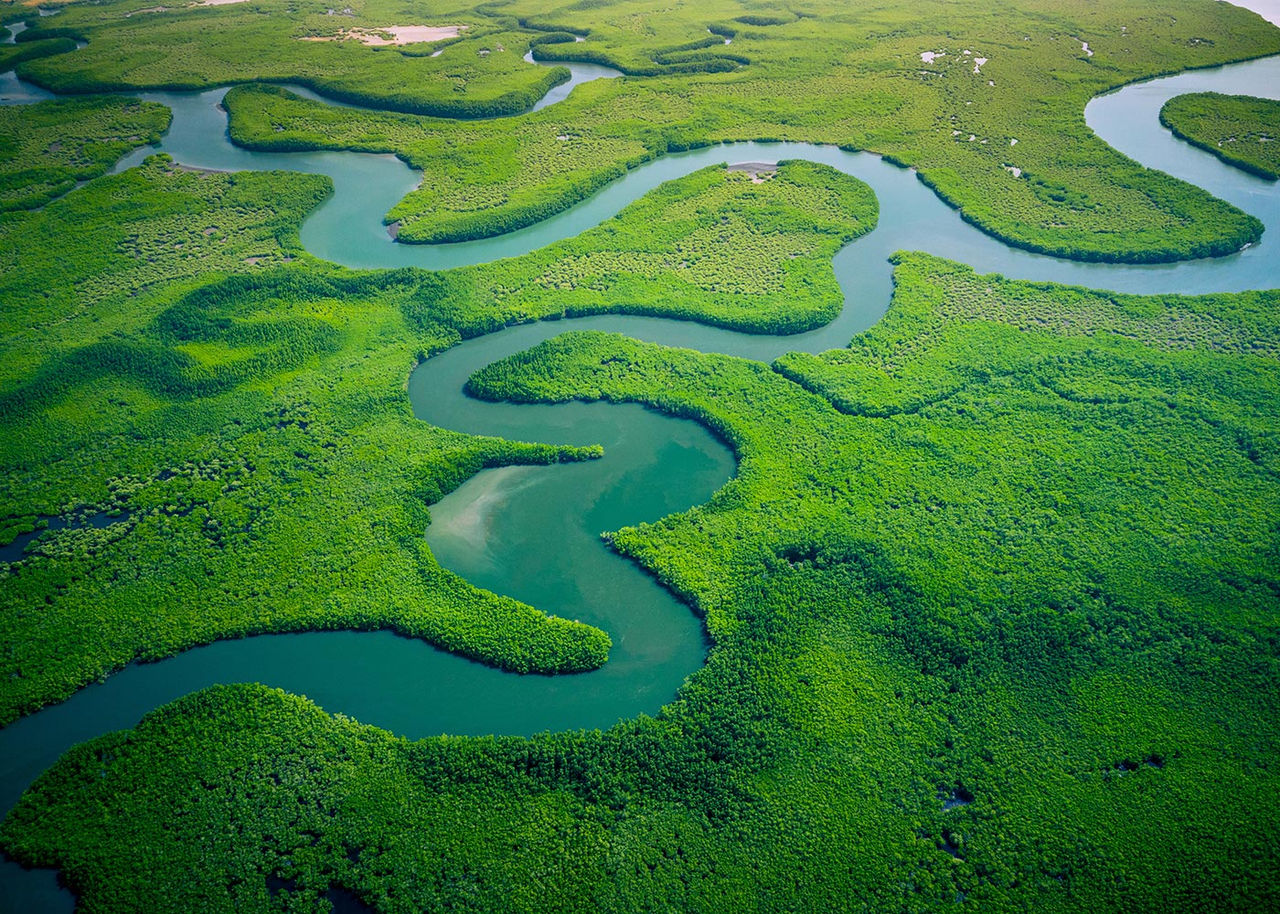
{"x": 1239, "y": 129}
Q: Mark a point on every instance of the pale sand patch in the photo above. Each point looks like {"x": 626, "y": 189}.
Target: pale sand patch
{"x": 383, "y": 37}
{"x": 759, "y": 171}
{"x": 490, "y": 492}
{"x": 165, "y": 9}
{"x": 931, "y": 56}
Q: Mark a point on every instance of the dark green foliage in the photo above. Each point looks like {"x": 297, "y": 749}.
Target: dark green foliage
{"x": 47, "y": 147}
{"x": 247, "y": 342}
{"x": 198, "y": 409}
{"x": 551, "y": 38}
{"x": 1013, "y": 644}
{"x": 714, "y": 246}
{"x": 993, "y": 597}
{"x": 764, "y": 20}
{"x": 1007, "y": 145}
{"x": 13, "y": 54}
{"x": 72, "y": 273}
{"x": 198, "y": 47}
{"x": 1238, "y": 129}
{"x": 683, "y": 58}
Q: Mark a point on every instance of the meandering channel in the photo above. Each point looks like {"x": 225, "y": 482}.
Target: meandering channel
{"x": 414, "y": 690}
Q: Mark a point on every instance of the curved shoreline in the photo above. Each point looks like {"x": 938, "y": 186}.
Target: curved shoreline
{"x": 1225, "y": 155}
{"x": 909, "y": 212}
{"x": 388, "y": 188}
{"x": 556, "y": 90}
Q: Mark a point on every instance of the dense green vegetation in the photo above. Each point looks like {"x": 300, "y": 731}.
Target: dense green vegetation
{"x": 1239, "y": 129}
{"x": 1005, "y": 142}
{"x": 46, "y": 148}
{"x": 883, "y": 374}
{"x": 714, "y": 246}
{"x": 134, "y": 44}
{"x": 91, "y": 264}
{"x": 13, "y": 54}
{"x": 992, "y": 598}
{"x": 704, "y": 55}
{"x": 1014, "y": 645}
{"x": 256, "y": 428}
{"x": 849, "y": 77}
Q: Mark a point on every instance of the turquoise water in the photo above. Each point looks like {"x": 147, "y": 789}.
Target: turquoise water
{"x": 654, "y": 465}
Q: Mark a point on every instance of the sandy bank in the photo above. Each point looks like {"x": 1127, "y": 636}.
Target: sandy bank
{"x": 382, "y": 37}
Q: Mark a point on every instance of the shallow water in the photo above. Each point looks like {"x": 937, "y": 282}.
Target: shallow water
{"x": 12, "y": 90}
{"x": 532, "y": 532}
{"x": 580, "y": 73}
{"x": 14, "y": 551}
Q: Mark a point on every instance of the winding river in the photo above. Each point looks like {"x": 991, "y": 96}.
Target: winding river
{"x": 654, "y": 465}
